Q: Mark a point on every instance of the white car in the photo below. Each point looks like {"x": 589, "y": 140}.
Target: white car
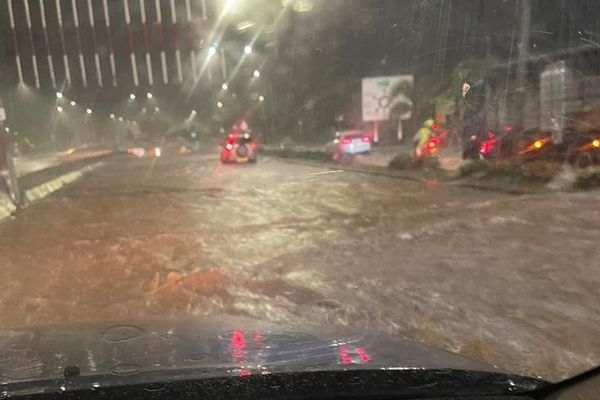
{"x": 351, "y": 143}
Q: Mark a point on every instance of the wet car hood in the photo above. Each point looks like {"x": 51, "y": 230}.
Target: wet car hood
{"x": 215, "y": 346}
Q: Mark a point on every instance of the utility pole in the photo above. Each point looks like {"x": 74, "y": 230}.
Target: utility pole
{"x": 524, "y": 8}
{"x": 524, "y": 40}
{"x": 8, "y": 174}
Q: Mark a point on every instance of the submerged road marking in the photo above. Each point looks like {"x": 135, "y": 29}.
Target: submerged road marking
{"x": 47, "y": 188}
{"x": 6, "y": 208}
{"x": 326, "y": 172}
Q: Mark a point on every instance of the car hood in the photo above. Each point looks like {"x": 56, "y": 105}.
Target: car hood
{"x": 216, "y": 346}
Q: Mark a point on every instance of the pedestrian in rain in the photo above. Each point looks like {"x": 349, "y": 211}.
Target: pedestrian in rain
{"x": 422, "y": 136}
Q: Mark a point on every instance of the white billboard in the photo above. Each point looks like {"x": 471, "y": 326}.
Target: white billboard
{"x": 378, "y": 97}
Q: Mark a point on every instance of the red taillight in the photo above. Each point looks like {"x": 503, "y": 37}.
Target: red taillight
{"x": 346, "y": 141}
{"x": 253, "y": 145}
{"x": 432, "y": 146}
{"x": 365, "y": 139}
{"x": 487, "y": 146}
{"x": 229, "y": 144}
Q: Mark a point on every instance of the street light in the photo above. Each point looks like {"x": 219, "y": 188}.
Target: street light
{"x": 88, "y": 111}
{"x": 247, "y": 49}
{"x": 131, "y": 96}
{"x": 228, "y": 6}
{"x": 261, "y": 98}
{"x": 59, "y": 109}
{"x": 256, "y": 73}
{"x": 219, "y": 104}
{"x": 225, "y": 86}
{"x": 6, "y": 129}
{"x": 59, "y": 95}
{"x": 73, "y": 104}
{"x": 212, "y": 50}
{"x": 149, "y": 95}
{"x": 120, "y": 119}
{"x": 193, "y": 113}
{"x": 300, "y": 6}
{"x": 243, "y": 25}
{"x": 156, "y": 109}
{"x": 112, "y": 116}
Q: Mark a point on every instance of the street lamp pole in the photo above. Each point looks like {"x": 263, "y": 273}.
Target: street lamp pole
{"x": 223, "y": 64}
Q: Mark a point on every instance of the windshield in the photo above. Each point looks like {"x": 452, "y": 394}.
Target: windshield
{"x": 412, "y": 169}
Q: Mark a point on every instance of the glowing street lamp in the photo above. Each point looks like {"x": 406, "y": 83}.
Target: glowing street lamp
{"x": 193, "y": 113}
{"x": 229, "y": 5}
{"x": 59, "y": 109}
{"x": 247, "y": 49}
{"x": 261, "y": 98}
{"x": 88, "y": 111}
{"x": 131, "y": 96}
{"x": 73, "y": 104}
{"x": 59, "y": 95}
{"x": 120, "y": 119}
{"x": 156, "y": 109}
{"x": 112, "y": 116}
{"x": 219, "y": 104}
{"x": 212, "y": 50}
{"x": 256, "y": 73}
{"x": 225, "y": 86}
{"x": 149, "y": 95}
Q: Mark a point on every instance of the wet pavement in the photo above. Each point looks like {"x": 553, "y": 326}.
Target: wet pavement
{"x": 510, "y": 280}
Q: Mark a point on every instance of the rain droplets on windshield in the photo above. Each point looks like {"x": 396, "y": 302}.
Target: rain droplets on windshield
{"x": 420, "y": 169}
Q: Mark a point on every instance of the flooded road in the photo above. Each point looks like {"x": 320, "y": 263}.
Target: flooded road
{"x": 510, "y": 280}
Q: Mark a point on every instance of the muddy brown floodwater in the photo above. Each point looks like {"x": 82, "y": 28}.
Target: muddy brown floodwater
{"x": 510, "y": 280}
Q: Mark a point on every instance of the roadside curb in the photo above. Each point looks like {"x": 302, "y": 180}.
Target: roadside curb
{"x": 40, "y": 191}
{"x": 366, "y": 170}
{"x": 41, "y": 185}
{"x": 395, "y": 174}
{"x": 509, "y": 189}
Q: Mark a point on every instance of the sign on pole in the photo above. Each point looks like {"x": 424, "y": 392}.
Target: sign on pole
{"x": 381, "y": 94}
